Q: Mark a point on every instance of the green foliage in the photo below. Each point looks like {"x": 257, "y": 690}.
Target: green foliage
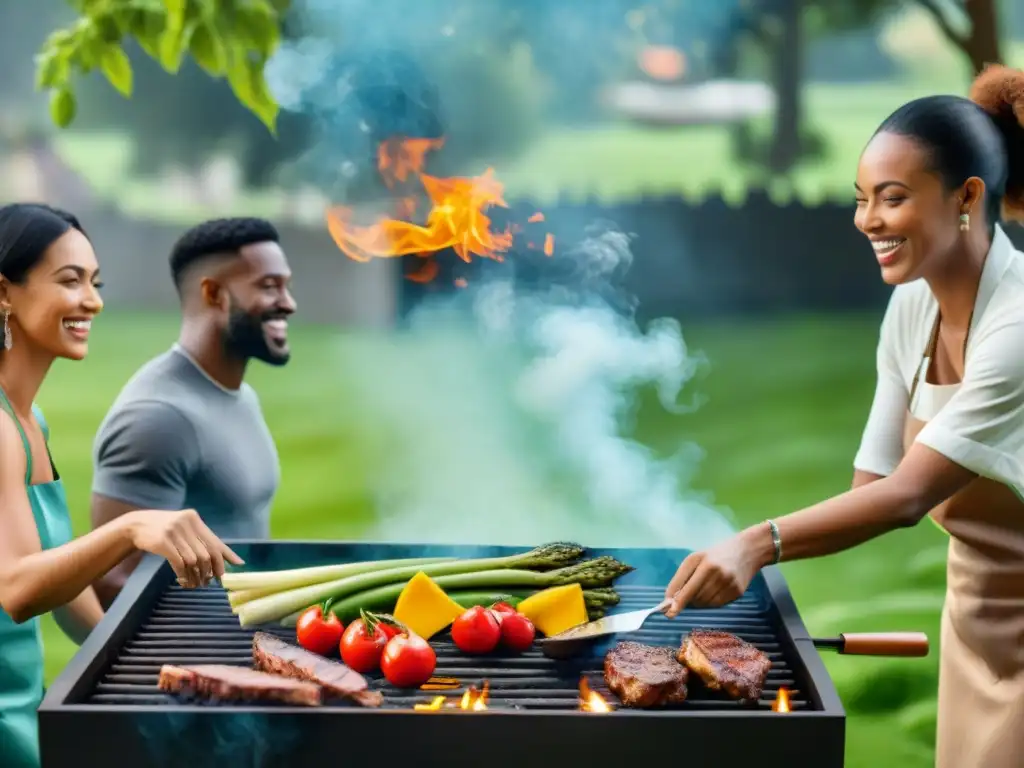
{"x": 832, "y": 16}
{"x": 887, "y": 686}
{"x": 918, "y": 720}
{"x": 230, "y": 39}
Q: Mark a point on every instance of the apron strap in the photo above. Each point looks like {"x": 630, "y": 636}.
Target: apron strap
{"x": 929, "y": 353}
{"x": 5, "y": 405}
{"x": 926, "y": 357}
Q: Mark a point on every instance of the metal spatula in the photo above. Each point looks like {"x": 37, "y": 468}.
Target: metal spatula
{"x": 566, "y": 643}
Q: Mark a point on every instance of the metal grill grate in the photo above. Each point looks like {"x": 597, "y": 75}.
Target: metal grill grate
{"x": 197, "y": 627}
{"x": 105, "y": 703}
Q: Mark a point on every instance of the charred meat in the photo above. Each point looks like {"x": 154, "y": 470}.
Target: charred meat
{"x": 220, "y": 682}
{"x": 725, "y": 662}
{"x": 645, "y": 675}
{"x": 273, "y": 655}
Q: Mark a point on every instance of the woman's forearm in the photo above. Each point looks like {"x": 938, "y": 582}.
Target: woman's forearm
{"x": 841, "y": 522}
{"x": 45, "y": 580}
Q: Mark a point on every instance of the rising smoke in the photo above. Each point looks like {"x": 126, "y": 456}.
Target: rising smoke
{"x": 503, "y": 410}
{"x": 510, "y": 408}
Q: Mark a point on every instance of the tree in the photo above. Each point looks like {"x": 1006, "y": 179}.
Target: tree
{"x": 980, "y": 41}
{"x": 231, "y": 39}
{"x": 779, "y": 27}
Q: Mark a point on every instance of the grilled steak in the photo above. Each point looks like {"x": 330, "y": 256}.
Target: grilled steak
{"x": 221, "y": 682}
{"x": 725, "y": 662}
{"x": 645, "y": 675}
{"x": 273, "y": 655}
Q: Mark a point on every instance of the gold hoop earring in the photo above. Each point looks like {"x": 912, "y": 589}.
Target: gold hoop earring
{"x": 7, "y": 330}
{"x": 965, "y": 221}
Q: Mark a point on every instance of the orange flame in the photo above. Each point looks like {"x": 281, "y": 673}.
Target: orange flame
{"x": 781, "y": 703}
{"x": 436, "y": 703}
{"x": 591, "y": 700}
{"x": 457, "y": 218}
{"x": 472, "y": 700}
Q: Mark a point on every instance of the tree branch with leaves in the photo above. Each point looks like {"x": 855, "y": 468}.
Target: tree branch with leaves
{"x": 230, "y": 39}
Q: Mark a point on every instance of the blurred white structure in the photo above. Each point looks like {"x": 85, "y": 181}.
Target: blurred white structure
{"x": 710, "y": 102}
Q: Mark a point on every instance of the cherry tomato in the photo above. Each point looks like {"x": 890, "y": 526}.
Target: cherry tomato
{"x": 517, "y": 632}
{"x": 318, "y": 633}
{"x": 478, "y": 630}
{"x": 503, "y": 608}
{"x": 361, "y": 648}
{"x": 408, "y": 661}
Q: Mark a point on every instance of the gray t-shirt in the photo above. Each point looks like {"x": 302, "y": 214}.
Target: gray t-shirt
{"x": 176, "y": 439}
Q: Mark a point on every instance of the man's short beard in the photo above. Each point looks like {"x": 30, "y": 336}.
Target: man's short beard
{"x": 245, "y": 338}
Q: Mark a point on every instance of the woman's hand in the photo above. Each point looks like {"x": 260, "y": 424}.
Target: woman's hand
{"x": 721, "y": 574}
{"x": 194, "y": 552}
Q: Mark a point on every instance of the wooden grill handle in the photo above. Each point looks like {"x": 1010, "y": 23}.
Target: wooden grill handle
{"x": 884, "y": 644}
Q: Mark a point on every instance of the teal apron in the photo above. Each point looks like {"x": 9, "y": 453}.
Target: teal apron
{"x": 21, "y": 645}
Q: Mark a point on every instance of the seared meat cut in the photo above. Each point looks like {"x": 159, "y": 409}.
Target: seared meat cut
{"x": 645, "y": 675}
{"x": 221, "y": 682}
{"x": 725, "y": 662}
{"x": 275, "y": 656}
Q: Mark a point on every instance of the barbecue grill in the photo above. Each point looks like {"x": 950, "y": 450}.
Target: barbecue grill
{"x": 105, "y": 707}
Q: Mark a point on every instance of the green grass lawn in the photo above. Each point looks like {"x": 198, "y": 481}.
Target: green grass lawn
{"x": 787, "y": 401}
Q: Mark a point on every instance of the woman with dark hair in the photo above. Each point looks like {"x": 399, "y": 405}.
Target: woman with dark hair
{"x": 945, "y": 434}
{"x": 49, "y": 295}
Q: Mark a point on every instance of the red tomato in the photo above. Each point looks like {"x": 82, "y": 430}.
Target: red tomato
{"x": 503, "y": 608}
{"x": 318, "y": 633}
{"x": 408, "y": 661}
{"x": 478, "y": 630}
{"x": 360, "y": 649}
{"x": 517, "y": 632}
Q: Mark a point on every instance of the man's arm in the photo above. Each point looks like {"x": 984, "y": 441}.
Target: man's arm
{"x": 144, "y": 455}
{"x": 79, "y": 617}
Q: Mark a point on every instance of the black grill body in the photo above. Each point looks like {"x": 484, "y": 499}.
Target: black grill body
{"x": 105, "y": 707}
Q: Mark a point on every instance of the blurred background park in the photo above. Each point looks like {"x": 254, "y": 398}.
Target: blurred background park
{"x": 722, "y": 135}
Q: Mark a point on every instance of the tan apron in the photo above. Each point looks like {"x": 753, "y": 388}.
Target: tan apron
{"x": 981, "y": 666}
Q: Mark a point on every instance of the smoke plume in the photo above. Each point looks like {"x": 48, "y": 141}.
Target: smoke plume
{"x": 508, "y": 410}
{"x": 501, "y": 413}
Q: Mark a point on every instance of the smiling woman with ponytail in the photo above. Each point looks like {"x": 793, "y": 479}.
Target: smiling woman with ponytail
{"x": 49, "y": 295}
{"x": 945, "y": 434}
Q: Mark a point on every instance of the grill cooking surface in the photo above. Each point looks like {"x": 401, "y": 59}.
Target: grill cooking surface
{"x": 105, "y": 704}
{"x": 197, "y": 627}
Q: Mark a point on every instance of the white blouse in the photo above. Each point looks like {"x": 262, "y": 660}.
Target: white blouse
{"x": 978, "y": 423}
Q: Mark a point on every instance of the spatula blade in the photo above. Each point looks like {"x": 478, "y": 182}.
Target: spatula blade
{"x": 619, "y": 623}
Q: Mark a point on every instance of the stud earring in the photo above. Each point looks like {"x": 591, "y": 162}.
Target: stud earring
{"x": 7, "y": 330}
{"x": 965, "y": 221}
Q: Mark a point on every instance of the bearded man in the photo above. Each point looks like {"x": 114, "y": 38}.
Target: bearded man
{"x": 186, "y": 431}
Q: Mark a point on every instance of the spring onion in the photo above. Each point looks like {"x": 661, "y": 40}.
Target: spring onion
{"x": 279, "y": 581}
{"x": 277, "y": 606}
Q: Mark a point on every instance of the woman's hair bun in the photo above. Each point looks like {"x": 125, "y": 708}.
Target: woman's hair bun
{"x": 999, "y": 90}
